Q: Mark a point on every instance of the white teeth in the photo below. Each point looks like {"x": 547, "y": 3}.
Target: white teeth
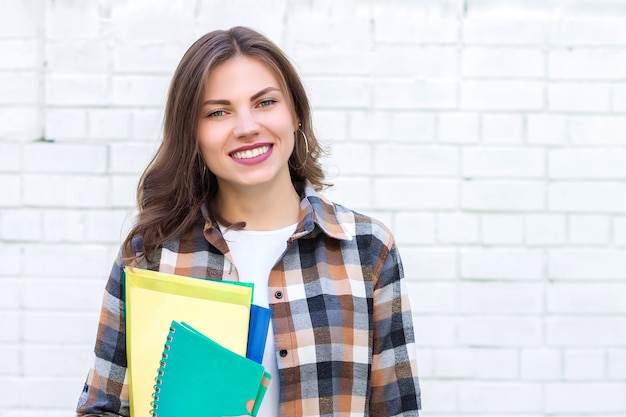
{"x": 251, "y": 153}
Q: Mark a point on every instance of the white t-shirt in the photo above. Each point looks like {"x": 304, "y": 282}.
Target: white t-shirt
{"x": 254, "y": 254}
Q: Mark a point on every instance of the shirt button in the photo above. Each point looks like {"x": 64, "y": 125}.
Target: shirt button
{"x": 283, "y": 353}
{"x": 278, "y": 294}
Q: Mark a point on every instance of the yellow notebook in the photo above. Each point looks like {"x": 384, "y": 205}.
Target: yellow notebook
{"x": 218, "y": 309}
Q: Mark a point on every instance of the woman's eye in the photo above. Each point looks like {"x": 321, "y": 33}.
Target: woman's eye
{"x": 267, "y": 102}
{"x": 217, "y": 113}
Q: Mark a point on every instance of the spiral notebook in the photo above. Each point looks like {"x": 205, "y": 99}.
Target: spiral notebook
{"x": 218, "y": 309}
{"x": 199, "y": 377}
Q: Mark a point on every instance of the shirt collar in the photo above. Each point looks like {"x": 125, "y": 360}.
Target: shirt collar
{"x": 315, "y": 210}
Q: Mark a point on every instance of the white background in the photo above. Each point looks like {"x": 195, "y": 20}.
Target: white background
{"x": 489, "y": 135}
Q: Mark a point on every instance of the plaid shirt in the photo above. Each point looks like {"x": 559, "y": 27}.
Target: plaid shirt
{"x": 341, "y": 317}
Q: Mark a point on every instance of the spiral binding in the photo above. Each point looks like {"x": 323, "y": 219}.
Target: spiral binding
{"x": 161, "y": 371}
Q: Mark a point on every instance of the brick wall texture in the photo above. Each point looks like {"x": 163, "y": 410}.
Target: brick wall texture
{"x": 489, "y": 135}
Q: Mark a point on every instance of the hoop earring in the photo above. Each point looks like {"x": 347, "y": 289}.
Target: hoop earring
{"x": 201, "y": 166}
{"x": 198, "y": 176}
{"x": 306, "y": 155}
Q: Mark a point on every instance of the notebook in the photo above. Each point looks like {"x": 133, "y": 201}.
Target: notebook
{"x": 257, "y": 332}
{"x": 218, "y": 309}
{"x": 199, "y": 377}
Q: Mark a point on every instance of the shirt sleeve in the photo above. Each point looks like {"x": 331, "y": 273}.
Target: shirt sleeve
{"x": 106, "y": 389}
{"x": 395, "y": 387}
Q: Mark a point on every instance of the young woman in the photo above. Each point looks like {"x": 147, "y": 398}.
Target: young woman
{"x": 232, "y": 194}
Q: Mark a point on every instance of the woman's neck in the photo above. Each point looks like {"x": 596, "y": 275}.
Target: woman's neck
{"x": 268, "y": 207}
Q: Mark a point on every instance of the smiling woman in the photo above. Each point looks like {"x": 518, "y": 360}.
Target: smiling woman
{"x": 246, "y": 139}
{"x": 233, "y": 194}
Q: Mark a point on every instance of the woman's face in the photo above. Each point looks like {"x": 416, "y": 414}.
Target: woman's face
{"x": 246, "y": 126}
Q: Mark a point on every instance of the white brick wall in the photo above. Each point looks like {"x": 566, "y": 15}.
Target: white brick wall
{"x": 489, "y": 135}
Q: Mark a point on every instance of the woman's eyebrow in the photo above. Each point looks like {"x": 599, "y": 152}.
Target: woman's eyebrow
{"x": 254, "y": 97}
{"x": 264, "y": 91}
{"x": 220, "y": 102}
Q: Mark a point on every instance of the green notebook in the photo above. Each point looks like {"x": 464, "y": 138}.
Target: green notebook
{"x": 200, "y": 377}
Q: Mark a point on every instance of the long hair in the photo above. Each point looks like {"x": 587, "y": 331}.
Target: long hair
{"x": 177, "y": 184}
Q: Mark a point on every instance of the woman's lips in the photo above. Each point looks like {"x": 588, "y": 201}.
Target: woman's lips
{"x": 252, "y": 155}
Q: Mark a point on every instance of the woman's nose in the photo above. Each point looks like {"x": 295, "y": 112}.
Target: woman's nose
{"x": 246, "y": 124}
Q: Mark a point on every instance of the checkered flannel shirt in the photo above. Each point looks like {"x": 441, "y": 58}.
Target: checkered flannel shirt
{"x": 341, "y": 317}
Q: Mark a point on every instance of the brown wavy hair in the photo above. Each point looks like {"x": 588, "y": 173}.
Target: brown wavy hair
{"x": 177, "y": 185}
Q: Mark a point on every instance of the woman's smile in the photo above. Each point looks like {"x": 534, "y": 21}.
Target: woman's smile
{"x": 252, "y": 155}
